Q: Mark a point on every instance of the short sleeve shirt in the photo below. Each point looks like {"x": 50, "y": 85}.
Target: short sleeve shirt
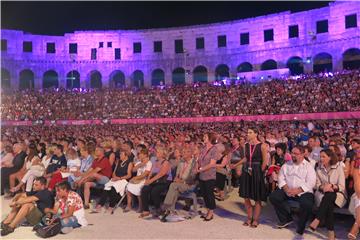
{"x": 73, "y": 200}
{"x": 143, "y": 169}
{"x": 104, "y": 165}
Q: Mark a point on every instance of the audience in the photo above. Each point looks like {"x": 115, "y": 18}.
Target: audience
{"x": 279, "y": 96}
{"x": 178, "y": 152}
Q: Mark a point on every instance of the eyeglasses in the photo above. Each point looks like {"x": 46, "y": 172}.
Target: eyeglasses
{"x": 296, "y": 153}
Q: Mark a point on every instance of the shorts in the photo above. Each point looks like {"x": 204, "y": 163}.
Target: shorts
{"x": 102, "y": 181}
{"x": 34, "y": 216}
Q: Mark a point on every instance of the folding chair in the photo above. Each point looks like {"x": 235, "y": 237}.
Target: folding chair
{"x": 191, "y": 194}
{"x": 120, "y": 201}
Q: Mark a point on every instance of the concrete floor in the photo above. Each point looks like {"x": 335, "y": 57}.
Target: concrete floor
{"x": 227, "y": 224}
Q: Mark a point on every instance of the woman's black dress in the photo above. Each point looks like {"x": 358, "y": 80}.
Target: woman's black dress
{"x": 252, "y": 182}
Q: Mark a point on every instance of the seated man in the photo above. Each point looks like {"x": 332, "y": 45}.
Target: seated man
{"x": 29, "y": 206}
{"x": 69, "y": 208}
{"x": 297, "y": 179}
{"x": 184, "y": 181}
{"x": 97, "y": 176}
{"x": 86, "y": 162}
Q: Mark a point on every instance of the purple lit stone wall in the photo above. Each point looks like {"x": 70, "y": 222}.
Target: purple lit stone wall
{"x": 307, "y": 45}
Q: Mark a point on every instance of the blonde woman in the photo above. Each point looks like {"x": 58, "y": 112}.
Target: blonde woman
{"x": 158, "y": 182}
{"x": 135, "y": 185}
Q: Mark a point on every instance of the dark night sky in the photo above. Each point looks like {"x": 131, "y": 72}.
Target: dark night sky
{"x": 57, "y": 18}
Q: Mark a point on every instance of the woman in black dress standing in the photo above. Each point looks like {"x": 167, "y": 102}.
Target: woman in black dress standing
{"x": 252, "y": 182}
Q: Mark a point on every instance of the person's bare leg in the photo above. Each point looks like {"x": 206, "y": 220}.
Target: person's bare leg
{"x": 129, "y": 200}
{"x": 257, "y": 213}
{"x": 249, "y": 211}
{"x": 355, "y": 228}
{"x": 12, "y": 180}
{"x": 24, "y": 210}
{"x": 87, "y": 187}
{"x": 11, "y": 216}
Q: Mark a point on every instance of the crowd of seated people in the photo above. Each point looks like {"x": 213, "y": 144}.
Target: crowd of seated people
{"x": 339, "y": 92}
{"x": 157, "y": 163}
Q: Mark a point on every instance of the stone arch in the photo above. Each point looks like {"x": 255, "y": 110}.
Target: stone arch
{"x": 221, "y": 71}
{"x": 269, "y": 65}
{"x": 245, "y": 67}
{"x": 200, "y": 74}
{"x": 26, "y": 79}
{"x": 95, "y": 79}
{"x": 73, "y": 79}
{"x": 50, "y": 79}
{"x": 178, "y": 76}
{"x": 351, "y": 58}
{"x": 137, "y": 79}
{"x": 295, "y": 65}
{"x": 117, "y": 79}
{"x": 5, "y": 79}
{"x": 322, "y": 62}
{"x": 157, "y": 77}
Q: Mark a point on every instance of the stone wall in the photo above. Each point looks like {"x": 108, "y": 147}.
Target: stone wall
{"x": 335, "y": 42}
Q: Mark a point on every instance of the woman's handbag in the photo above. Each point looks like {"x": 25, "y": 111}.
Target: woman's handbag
{"x": 50, "y": 230}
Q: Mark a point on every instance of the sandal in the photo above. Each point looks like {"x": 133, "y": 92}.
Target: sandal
{"x": 254, "y": 224}
{"x": 247, "y": 223}
{"x": 351, "y": 236}
{"x": 142, "y": 215}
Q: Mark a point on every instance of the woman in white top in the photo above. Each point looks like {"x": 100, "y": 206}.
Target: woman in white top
{"x": 143, "y": 169}
{"x": 34, "y": 169}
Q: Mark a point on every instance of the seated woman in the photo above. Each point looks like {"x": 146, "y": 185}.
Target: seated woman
{"x": 117, "y": 185}
{"x": 158, "y": 182}
{"x": 135, "y": 185}
{"x": 344, "y": 164}
{"x": 34, "y": 169}
{"x": 356, "y": 197}
{"x": 68, "y": 207}
{"x": 277, "y": 160}
{"x": 31, "y": 153}
{"x": 62, "y": 174}
{"x": 184, "y": 181}
{"x": 330, "y": 190}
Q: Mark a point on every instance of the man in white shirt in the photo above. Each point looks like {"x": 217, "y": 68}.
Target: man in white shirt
{"x": 297, "y": 179}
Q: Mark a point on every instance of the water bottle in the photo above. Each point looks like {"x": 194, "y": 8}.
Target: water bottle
{"x": 92, "y": 205}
